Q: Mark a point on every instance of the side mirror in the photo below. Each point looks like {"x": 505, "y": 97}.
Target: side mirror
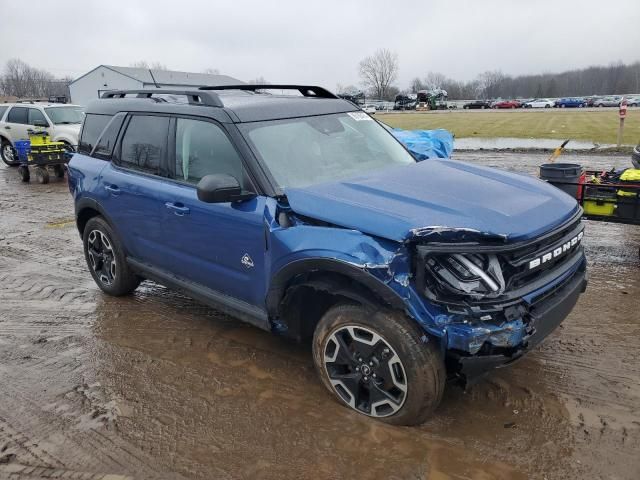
{"x": 221, "y": 188}
{"x": 40, "y": 123}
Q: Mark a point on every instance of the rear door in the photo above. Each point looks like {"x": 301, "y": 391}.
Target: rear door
{"x": 218, "y": 245}
{"x": 16, "y": 124}
{"x": 134, "y": 182}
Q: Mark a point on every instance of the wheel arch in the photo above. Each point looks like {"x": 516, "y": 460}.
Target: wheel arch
{"x": 65, "y": 139}
{"x": 86, "y": 209}
{"x": 322, "y": 283}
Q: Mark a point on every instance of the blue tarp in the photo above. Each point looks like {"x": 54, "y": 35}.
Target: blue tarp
{"x": 425, "y": 144}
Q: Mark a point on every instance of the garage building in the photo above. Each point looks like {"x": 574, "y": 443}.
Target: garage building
{"x": 108, "y": 77}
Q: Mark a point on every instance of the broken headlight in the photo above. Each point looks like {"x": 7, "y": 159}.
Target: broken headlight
{"x": 464, "y": 275}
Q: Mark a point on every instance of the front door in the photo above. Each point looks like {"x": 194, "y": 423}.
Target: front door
{"x": 222, "y": 245}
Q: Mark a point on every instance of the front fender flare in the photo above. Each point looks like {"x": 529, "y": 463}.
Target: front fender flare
{"x": 283, "y": 277}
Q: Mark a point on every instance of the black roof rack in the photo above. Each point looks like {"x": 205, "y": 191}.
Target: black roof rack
{"x": 195, "y": 97}
{"x": 306, "y": 90}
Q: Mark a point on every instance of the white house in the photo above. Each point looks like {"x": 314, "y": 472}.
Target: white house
{"x": 108, "y": 77}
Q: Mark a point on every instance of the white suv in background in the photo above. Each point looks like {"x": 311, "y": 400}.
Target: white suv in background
{"x": 62, "y": 121}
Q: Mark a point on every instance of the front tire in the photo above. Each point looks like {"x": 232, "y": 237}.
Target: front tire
{"x": 379, "y": 364}
{"x": 9, "y": 154}
{"x": 106, "y": 259}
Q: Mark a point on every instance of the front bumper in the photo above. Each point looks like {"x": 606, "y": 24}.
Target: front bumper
{"x": 544, "y": 317}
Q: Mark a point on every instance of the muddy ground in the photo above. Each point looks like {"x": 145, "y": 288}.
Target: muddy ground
{"x": 157, "y": 386}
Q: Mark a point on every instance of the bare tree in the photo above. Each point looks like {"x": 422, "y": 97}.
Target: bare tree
{"x": 22, "y": 80}
{"x": 340, "y": 88}
{"x": 258, "y": 81}
{"x": 416, "y": 85}
{"x": 379, "y": 71}
{"x": 434, "y": 80}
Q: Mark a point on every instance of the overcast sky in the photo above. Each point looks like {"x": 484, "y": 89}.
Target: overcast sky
{"x": 321, "y": 41}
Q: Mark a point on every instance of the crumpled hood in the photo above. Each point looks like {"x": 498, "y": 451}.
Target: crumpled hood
{"x": 438, "y": 200}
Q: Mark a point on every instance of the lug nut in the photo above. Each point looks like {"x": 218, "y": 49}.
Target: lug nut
{"x": 371, "y": 364}
{"x": 366, "y": 378}
{"x": 374, "y": 375}
{"x": 357, "y": 369}
{"x": 359, "y": 359}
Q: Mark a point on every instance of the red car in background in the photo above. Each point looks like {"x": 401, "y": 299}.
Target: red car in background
{"x": 506, "y": 104}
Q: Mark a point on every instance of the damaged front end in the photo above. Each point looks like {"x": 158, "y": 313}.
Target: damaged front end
{"x": 499, "y": 300}
{"x": 484, "y": 297}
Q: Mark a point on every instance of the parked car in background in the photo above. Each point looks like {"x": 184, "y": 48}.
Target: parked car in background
{"x": 571, "y": 102}
{"x": 481, "y": 104}
{"x": 369, "y": 109}
{"x": 61, "y": 121}
{"x": 633, "y": 101}
{"x": 590, "y": 101}
{"x": 540, "y": 103}
{"x": 506, "y": 104}
{"x": 607, "y": 102}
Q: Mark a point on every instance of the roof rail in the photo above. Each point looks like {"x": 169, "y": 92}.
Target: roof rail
{"x": 195, "y": 97}
{"x": 306, "y": 90}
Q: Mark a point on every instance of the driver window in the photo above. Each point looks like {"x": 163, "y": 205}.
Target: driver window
{"x": 202, "y": 148}
{"x": 36, "y": 116}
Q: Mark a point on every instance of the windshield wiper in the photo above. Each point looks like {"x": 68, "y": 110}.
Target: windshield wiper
{"x": 68, "y": 123}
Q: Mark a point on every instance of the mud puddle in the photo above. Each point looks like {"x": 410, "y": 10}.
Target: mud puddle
{"x": 505, "y": 143}
{"x": 157, "y": 386}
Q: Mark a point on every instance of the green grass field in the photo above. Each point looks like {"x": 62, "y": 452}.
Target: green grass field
{"x": 596, "y": 126}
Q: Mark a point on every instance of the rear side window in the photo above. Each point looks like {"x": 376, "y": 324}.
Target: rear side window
{"x": 2, "y": 110}
{"x": 144, "y": 143}
{"x": 17, "y": 115}
{"x": 91, "y": 130}
{"x": 107, "y": 140}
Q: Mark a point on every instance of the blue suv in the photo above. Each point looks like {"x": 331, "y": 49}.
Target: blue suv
{"x": 302, "y": 215}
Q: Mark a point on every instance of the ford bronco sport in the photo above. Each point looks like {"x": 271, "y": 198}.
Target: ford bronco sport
{"x": 303, "y": 216}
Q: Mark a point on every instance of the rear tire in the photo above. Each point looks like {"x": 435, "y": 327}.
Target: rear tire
{"x": 59, "y": 171}
{"x": 42, "y": 175}
{"x": 106, "y": 260}
{"x": 379, "y": 364}
{"x": 23, "y": 171}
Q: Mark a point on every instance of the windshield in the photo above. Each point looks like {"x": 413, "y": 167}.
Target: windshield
{"x": 305, "y": 151}
{"x": 65, "y": 115}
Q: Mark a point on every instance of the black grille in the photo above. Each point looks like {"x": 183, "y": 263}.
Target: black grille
{"x": 515, "y": 263}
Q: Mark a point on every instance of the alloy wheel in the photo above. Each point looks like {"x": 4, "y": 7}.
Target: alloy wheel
{"x": 365, "y": 371}
{"x": 101, "y": 257}
{"x": 8, "y": 154}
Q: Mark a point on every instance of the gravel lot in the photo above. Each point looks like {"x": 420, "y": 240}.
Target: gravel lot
{"x": 158, "y": 386}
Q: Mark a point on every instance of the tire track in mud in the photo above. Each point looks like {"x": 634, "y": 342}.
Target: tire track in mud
{"x": 79, "y": 448}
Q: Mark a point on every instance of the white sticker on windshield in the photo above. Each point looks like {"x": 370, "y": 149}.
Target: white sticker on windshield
{"x": 359, "y": 116}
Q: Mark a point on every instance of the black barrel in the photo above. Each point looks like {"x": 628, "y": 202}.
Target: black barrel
{"x": 635, "y": 157}
{"x": 565, "y": 176}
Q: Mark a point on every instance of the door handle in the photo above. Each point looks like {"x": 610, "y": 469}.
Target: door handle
{"x": 178, "y": 208}
{"x": 112, "y": 189}
{"x": 7, "y": 127}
